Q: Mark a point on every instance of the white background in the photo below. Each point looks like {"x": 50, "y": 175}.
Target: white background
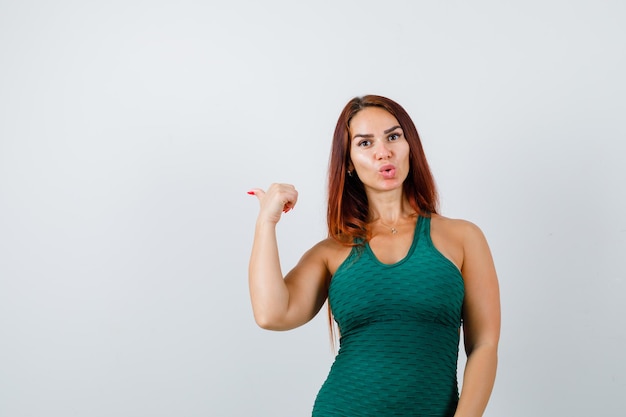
{"x": 130, "y": 132}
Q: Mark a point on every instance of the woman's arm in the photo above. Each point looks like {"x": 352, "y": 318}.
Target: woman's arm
{"x": 282, "y": 303}
{"x": 481, "y": 323}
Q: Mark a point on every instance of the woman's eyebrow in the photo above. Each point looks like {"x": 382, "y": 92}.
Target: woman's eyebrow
{"x": 391, "y": 129}
{"x": 363, "y": 135}
{"x": 369, "y": 135}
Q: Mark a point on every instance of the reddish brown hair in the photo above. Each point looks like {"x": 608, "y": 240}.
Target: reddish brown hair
{"x": 348, "y": 210}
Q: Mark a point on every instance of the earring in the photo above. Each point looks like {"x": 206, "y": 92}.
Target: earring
{"x": 349, "y": 173}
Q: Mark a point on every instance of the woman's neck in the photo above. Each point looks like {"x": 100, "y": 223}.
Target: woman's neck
{"x": 389, "y": 209}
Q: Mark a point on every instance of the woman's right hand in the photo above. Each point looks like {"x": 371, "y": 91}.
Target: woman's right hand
{"x": 278, "y": 199}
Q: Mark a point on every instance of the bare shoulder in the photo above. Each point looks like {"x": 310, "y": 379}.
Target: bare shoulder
{"x": 331, "y": 252}
{"x": 456, "y": 225}
{"x": 456, "y": 228}
{"x": 455, "y": 237}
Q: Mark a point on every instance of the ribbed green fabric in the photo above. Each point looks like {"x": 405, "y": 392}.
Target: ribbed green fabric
{"x": 399, "y": 328}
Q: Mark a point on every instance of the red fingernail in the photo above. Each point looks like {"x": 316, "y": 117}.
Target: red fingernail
{"x": 251, "y": 192}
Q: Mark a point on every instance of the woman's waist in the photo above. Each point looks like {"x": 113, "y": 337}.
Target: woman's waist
{"x": 399, "y": 327}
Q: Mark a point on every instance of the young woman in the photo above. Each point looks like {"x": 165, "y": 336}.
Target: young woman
{"x": 400, "y": 279}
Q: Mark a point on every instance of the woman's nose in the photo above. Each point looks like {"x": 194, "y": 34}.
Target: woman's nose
{"x": 382, "y": 151}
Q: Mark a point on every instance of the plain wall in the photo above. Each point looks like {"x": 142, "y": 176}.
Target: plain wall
{"x": 130, "y": 132}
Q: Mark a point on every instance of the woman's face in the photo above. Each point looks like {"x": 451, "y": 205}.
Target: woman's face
{"x": 378, "y": 149}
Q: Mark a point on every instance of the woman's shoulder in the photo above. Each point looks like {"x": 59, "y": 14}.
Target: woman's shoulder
{"x": 459, "y": 233}
{"x": 456, "y": 238}
{"x": 455, "y": 227}
{"x": 332, "y": 252}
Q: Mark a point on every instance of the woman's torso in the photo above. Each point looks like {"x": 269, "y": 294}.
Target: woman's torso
{"x": 399, "y": 327}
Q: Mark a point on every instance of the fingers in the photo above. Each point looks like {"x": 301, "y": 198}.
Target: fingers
{"x": 286, "y": 194}
{"x": 279, "y": 198}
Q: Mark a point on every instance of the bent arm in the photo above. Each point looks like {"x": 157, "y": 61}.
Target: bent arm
{"x": 282, "y": 303}
{"x": 481, "y": 324}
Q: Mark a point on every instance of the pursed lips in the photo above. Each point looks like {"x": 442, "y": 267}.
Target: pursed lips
{"x": 387, "y": 170}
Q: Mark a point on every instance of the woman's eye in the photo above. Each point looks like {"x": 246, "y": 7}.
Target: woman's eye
{"x": 364, "y": 143}
{"x": 394, "y": 136}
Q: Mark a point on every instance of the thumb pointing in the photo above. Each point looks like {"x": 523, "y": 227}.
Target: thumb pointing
{"x": 259, "y": 193}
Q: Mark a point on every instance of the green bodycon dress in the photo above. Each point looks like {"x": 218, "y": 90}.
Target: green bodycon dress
{"x": 399, "y": 329}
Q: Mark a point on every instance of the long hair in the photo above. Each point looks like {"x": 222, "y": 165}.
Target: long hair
{"x": 348, "y": 209}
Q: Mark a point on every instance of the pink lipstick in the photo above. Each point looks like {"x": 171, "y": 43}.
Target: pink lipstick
{"x": 388, "y": 171}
